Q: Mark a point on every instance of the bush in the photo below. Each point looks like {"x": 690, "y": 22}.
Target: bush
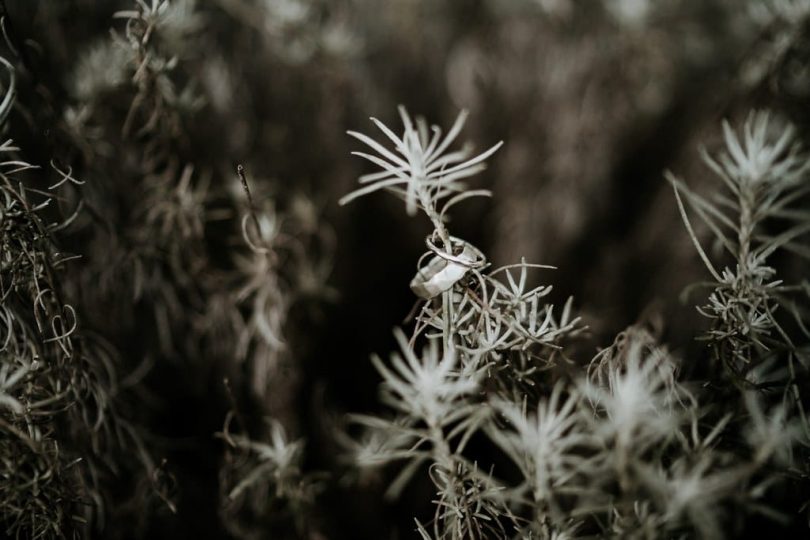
{"x": 186, "y": 313}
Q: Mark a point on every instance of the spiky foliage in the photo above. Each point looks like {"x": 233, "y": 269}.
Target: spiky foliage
{"x": 158, "y": 273}
{"x": 623, "y": 447}
{"x": 758, "y": 313}
{"x": 263, "y": 485}
{"x": 152, "y": 279}
{"x": 62, "y": 436}
{"x": 473, "y": 324}
{"x": 765, "y": 175}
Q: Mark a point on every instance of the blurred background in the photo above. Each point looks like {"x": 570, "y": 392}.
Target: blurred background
{"x": 594, "y": 100}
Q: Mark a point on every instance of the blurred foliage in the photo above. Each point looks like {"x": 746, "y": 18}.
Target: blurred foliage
{"x": 172, "y": 332}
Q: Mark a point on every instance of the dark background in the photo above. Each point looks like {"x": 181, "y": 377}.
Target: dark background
{"x": 594, "y": 100}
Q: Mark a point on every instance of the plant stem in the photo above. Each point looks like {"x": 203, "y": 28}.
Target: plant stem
{"x": 747, "y": 201}
{"x": 435, "y": 219}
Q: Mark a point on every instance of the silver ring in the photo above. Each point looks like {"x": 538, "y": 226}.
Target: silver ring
{"x": 469, "y": 256}
{"x": 444, "y": 270}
